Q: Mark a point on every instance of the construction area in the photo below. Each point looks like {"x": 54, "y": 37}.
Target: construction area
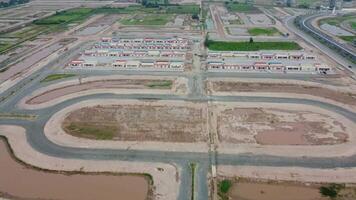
{"x": 175, "y": 100}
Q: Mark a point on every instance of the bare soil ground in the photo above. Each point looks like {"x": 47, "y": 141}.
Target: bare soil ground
{"x": 272, "y": 126}
{"x": 102, "y": 84}
{"x": 259, "y": 189}
{"x": 138, "y": 123}
{"x": 227, "y": 86}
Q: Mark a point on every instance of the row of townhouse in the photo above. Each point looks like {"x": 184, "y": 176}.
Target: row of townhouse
{"x": 123, "y": 53}
{"x": 275, "y": 66}
{"x": 142, "y": 46}
{"x": 132, "y": 64}
{"x": 264, "y": 55}
{"x": 174, "y": 40}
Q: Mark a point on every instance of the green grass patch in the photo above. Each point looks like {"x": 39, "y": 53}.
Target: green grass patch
{"x": 247, "y": 46}
{"x": 53, "y": 77}
{"x": 17, "y": 116}
{"x": 353, "y": 25}
{"x": 192, "y": 168}
{"x": 223, "y": 188}
{"x": 263, "y": 31}
{"x": 336, "y": 21}
{"x": 139, "y": 9}
{"x": 183, "y": 9}
{"x": 148, "y": 19}
{"x": 348, "y": 38}
{"x": 68, "y": 16}
{"x": 92, "y": 131}
{"x": 240, "y": 7}
{"x": 331, "y": 190}
{"x": 166, "y": 84}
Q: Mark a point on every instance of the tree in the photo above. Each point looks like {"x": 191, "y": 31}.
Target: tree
{"x": 251, "y": 40}
{"x": 195, "y": 17}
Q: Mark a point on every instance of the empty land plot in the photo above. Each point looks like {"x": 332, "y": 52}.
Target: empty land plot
{"x": 264, "y": 31}
{"x": 21, "y": 181}
{"x": 232, "y": 86}
{"x": 138, "y": 123}
{"x": 260, "y": 189}
{"x": 250, "y": 46}
{"x": 148, "y": 19}
{"x": 272, "y": 126}
{"x": 102, "y": 84}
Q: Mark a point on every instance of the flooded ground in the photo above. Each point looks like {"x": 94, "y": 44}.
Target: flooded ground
{"x": 23, "y": 182}
{"x": 104, "y": 84}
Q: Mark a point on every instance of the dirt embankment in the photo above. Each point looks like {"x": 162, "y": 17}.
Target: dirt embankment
{"x": 229, "y": 86}
{"x": 138, "y": 123}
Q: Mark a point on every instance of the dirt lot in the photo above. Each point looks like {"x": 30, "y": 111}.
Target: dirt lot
{"x": 138, "y": 123}
{"x": 256, "y": 189}
{"x": 227, "y": 86}
{"x": 272, "y": 126}
{"x": 102, "y": 84}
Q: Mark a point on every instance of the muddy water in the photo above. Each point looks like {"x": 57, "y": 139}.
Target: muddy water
{"x": 264, "y": 191}
{"x": 24, "y": 182}
{"x": 108, "y": 84}
{"x": 28, "y": 62}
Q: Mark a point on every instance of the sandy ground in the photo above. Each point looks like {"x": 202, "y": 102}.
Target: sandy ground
{"x": 54, "y": 132}
{"x": 179, "y": 86}
{"x": 300, "y": 174}
{"x": 166, "y": 187}
{"x": 343, "y": 149}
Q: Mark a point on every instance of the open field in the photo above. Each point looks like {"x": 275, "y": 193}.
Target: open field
{"x": 232, "y": 86}
{"x": 278, "y": 127}
{"x": 138, "y": 123}
{"x": 248, "y": 46}
{"x": 99, "y": 84}
{"x": 148, "y": 19}
{"x": 68, "y": 16}
{"x": 260, "y": 189}
{"x": 264, "y": 31}
{"x": 17, "y": 181}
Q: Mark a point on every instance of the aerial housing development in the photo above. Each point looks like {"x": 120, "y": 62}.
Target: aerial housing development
{"x": 178, "y": 100}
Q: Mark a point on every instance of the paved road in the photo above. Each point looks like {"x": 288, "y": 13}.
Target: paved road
{"x": 39, "y": 142}
{"x": 332, "y": 54}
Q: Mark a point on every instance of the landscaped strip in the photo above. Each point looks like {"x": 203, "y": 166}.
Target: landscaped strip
{"x": 250, "y": 46}
{"x": 54, "y": 77}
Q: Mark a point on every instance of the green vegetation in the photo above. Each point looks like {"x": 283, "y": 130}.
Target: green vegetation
{"x": 224, "y": 187}
{"x": 240, "y": 7}
{"x": 250, "y": 46}
{"x": 17, "y": 116}
{"x": 193, "y": 167}
{"x": 53, "y": 77}
{"x": 138, "y": 9}
{"x": 331, "y": 191}
{"x": 92, "y": 131}
{"x": 166, "y": 84}
{"x": 353, "y": 25}
{"x": 348, "y": 38}
{"x": 263, "y": 31}
{"x": 68, "y": 16}
{"x": 336, "y": 21}
{"x": 150, "y": 19}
